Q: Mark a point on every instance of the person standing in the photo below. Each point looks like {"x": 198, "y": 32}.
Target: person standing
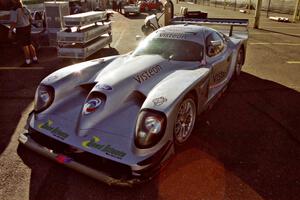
{"x": 21, "y": 20}
{"x": 114, "y": 5}
{"x": 119, "y": 6}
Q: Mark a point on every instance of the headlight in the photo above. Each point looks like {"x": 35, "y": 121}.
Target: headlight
{"x": 153, "y": 124}
{"x": 44, "y": 97}
{"x": 149, "y": 129}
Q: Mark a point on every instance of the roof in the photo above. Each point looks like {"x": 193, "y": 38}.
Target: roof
{"x": 184, "y": 28}
{"x": 182, "y": 32}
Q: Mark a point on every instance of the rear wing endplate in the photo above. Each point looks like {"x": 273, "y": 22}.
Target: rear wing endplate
{"x": 212, "y": 21}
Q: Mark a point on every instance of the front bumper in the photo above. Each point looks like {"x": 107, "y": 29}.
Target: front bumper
{"x": 26, "y": 140}
{"x": 152, "y": 164}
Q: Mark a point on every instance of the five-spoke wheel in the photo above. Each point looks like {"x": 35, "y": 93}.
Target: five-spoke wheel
{"x": 185, "y": 120}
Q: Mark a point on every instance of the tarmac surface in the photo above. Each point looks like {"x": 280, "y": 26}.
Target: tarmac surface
{"x": 246, "y": 147}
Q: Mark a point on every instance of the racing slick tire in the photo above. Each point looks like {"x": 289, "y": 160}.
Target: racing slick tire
{"x": 239, "y": 62}
{"x": 185, "y": 120}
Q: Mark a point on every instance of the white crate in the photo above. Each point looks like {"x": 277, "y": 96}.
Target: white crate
{"x": 83, "y": 19}
{"x": 84, "y": 35}
{"x": 81, "y": 51}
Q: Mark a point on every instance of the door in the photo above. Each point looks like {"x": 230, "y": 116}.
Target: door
{"x": 219, "y": 56}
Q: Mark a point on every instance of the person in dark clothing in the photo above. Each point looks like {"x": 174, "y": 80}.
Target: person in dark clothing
{"x": 21, "y": 20}
{"x": 119, "y": 6}
{"x": 172, "y": 9}
{"x": 114, "y": 5}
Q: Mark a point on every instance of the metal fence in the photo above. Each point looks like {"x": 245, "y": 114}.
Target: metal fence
{"x": 277, "y": 6}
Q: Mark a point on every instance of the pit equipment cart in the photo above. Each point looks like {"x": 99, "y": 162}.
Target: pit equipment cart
{"x": 84, "y": 35}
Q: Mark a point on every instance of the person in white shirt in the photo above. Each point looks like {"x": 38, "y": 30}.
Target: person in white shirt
{"x": 21, "y": 20}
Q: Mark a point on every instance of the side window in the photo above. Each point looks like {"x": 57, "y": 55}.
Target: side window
{"x": 214, "y": 44}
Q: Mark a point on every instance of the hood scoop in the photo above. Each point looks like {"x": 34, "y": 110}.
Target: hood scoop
{"x": 136, "y": 97}
{"x": 88, "y": 86}
{"x": 94, "y": 103}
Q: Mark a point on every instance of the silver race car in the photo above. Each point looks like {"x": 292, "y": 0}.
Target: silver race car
{"x": 118, "y": 119}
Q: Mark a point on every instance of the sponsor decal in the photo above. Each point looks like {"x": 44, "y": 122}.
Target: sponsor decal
{"x": 145, "y": 75}
{"x": 104, "y": 87}
{"x": 91, "y": 105}
{"x": 172, "y": 35}
{"x": 159, "y": 101}
{"x": 56, "y": 131}
{"x": 94, "y": 143}
{"x": 63, "y": 159}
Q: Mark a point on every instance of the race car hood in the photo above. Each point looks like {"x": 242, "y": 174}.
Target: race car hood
{"x": 123, "y": 85}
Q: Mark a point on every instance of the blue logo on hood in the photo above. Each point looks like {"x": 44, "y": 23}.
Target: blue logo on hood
{"x": 104, "y": 87}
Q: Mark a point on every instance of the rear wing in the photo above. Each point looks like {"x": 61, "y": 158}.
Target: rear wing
{"x": 231, "y": 23}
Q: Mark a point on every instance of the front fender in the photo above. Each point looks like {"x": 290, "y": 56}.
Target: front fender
{"x": 170, "y": 91}
{"x": 66, "y": 79}
{"x": 76, "y": 73}
{"x": 166, "y": 95}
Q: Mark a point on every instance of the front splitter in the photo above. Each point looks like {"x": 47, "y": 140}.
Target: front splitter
{"x": 28, "y": 142}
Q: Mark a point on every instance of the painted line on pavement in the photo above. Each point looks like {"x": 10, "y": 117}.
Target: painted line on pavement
{"x": 119, "y": 39}
{"x": 288, "y": 44}
{"x": 293, "y": 62}
{"x": 274, "y": 43}
{"x": 280, "y": 27}
{"x": 271, "y": 34}
{"x": 259, "y": 43}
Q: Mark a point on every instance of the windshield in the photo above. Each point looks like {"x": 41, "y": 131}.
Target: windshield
{"x": 180, "y": 50}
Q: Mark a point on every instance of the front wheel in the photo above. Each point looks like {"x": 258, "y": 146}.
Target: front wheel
{"x": 185, "y": 120}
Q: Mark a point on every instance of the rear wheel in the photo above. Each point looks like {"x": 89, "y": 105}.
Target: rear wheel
{"x": 239, "y": 62}
{"x": 185, "y": 120}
